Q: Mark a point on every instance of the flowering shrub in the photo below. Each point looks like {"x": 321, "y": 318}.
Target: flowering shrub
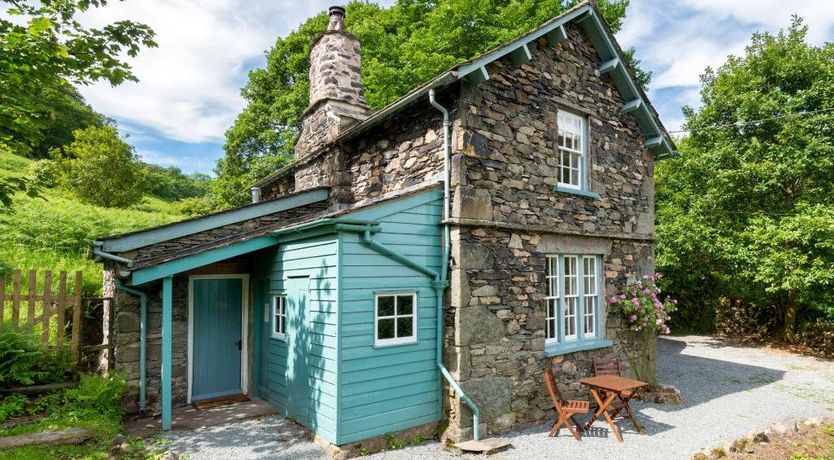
{"x": 640, "y": 304}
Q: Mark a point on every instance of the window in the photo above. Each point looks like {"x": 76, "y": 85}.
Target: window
{"x": 571, "y": 150}
{"x": 279, "y": 317}
{"x": 396, "y": 318}
{"x": 573, "y": 302}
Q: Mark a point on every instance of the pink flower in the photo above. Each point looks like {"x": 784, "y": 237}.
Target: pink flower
{"x": 632, "y": 318}
{"x": 635, "y": 301}
{"x": 622, "y": 296}
{"x": 613, "y": 300}
{"x": 666, "y": 330}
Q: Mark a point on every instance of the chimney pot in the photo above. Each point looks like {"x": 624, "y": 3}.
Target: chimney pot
{"x": 337, "y": 18}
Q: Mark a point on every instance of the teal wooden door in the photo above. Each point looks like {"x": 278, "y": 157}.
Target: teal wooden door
{"x": 298, "y": 385}
{"x": 216, "y": 340}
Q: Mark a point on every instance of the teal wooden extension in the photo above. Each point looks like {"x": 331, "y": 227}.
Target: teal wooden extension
{"x": 320, "y": 362}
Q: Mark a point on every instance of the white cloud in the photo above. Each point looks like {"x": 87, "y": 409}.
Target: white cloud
{"x": 189, "y": 88}
{"x": 679, "y": 39}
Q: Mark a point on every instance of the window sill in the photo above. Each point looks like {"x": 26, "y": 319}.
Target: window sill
{"x": 555, "y": 349}
{"x": 576, "y": 191}
{"x": 394, "y": 343}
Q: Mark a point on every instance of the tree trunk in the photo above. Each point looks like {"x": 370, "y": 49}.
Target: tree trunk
{"x": 644, "y": 362}
{"x": 789, "y": 326}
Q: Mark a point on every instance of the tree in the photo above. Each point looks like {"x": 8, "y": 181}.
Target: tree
{"x": 748, "y": 212}
{"x": 402, "y": 47}
{"x": 65, "y": 111}
{"x": 102, "y": 169}
{"x": 43, "y": 46}
{"x": 171, "y": 184}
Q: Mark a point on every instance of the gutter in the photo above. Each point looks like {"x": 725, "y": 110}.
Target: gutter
{"x": 442, "y": 281}
{"x": 143, "y": 333}
{"x": 99, "y": 252}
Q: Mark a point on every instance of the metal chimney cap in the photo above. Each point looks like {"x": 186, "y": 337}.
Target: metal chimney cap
{"x": 336, "y": 9}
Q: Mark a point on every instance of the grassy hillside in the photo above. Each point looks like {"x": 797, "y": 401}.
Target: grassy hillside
{"x": 54, "y": 231}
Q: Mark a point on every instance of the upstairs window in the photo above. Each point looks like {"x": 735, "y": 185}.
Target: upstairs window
{"x": 279, "y": 317}
{"x": 396, "y": 318}
{"x": 572, "y": 154}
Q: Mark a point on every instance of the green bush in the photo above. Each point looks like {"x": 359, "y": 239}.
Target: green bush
{"x": 24, "y": 361}
{"x": 20, "y": 354}
{"x": 12, "y": 406}
{"x": 96, "y": 396}
{"x": 194, "y": 207}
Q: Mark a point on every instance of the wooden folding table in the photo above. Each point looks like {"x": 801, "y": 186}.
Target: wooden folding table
{"x": 612, "y": 387}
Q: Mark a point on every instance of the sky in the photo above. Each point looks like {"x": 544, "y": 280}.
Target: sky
{"x": 188, "y": 92}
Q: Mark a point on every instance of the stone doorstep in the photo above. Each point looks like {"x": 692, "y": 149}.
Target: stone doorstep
{"x": 375, "y": 444}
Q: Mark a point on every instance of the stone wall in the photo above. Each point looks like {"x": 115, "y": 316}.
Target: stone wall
{"x": 126, "y": 339}
{"x": 510, "y": 218}
{"x": 401, "y": 152}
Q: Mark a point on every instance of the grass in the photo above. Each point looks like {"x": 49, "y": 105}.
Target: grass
{"x": 54, "y": 232}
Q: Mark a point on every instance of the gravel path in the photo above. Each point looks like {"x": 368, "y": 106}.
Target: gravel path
{"x": 728, "y": 391}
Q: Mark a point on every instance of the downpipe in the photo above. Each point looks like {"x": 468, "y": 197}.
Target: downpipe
{"x": 442, "y": 281}
{"x": 143, "y": 332}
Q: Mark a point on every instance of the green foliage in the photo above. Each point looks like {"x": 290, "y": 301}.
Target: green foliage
{"x": 392, "y": 442}
{"x": 171, "y": 184}
{"x": 100, "y": 168}
{"x": 196, "y": 206}
{"x": 65, "y": 112}
{"x": 747, "y": 215}
{"x": 12, "y": 406}
{"x": 20, "y": 355}
{"x": 54, "y": 232}
{"x": 402, "y": 47}
{"x": 95, "y": 396}
{"x": 43, "y": 46}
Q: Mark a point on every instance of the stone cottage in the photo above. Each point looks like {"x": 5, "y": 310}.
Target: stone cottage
{"x": 415, "y": 262}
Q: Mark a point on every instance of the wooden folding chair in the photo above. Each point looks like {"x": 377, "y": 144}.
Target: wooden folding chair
{"x": 611, "y": 366}
{"x": 565, "y": 409}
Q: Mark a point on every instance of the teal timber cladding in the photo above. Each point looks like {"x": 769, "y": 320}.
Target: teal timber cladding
{"x": 387, "y": 389}
{"x": 351, "y": 389}
{"x": 302, "y": 368}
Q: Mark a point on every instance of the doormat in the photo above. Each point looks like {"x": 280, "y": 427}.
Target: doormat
{"x": 222, "y": 401}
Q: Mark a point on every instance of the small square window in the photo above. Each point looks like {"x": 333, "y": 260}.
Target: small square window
{"x": 395, "y": 319}
{"x": 279, "y": 317}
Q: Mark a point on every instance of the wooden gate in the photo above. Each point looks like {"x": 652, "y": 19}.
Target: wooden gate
{"x": 52, "y": 310}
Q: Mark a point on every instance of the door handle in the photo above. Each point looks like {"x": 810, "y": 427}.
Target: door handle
{"x": 239, "y": 344}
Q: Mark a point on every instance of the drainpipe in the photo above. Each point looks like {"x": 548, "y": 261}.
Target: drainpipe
{"x": 143, "y": 332}
{"x": 442, "y": 281}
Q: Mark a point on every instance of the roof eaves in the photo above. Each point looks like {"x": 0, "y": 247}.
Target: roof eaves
{"x": 130, "y": 241}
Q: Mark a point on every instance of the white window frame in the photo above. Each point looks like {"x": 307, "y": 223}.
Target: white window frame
{"x": 557, "y": 296}
{"x": 580, "y": 154}
{"x": 278, "y": 318}
{"x": 396, "y": 340}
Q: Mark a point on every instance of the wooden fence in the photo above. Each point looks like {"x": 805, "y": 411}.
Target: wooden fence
{"x": 52, "y": 310}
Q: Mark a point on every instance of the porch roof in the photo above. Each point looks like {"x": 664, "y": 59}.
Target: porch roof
{"x": 262, "y": 238}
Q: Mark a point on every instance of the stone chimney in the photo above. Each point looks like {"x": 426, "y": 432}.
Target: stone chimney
{"x": 337, "y": 100}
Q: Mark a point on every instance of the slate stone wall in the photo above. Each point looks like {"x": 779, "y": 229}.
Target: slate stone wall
{"x": 404, "y": 151}
{"x": 505, "y": 172}
{"x": 126, "y": 339}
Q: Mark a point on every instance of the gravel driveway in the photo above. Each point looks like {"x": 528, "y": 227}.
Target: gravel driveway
{"x": 728, "y": 391}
